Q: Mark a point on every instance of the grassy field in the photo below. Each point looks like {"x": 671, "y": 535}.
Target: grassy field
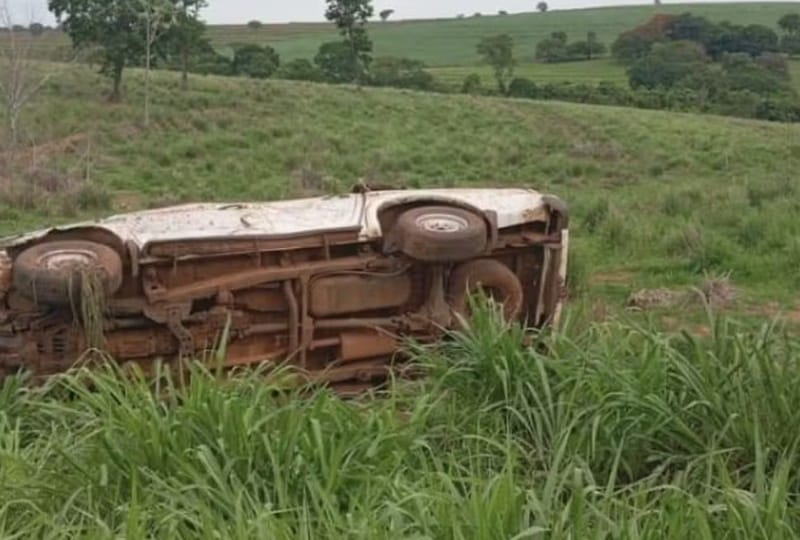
{"x": 617, "y": 432}
{"x": 586, "y": 72}
{"x": 662, "y": 198}
{"x": 624, "y": 429}
{"x": 451, "y": 42}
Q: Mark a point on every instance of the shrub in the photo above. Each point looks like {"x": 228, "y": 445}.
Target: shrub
{"x": 522, "y": 88}
{"x": 255, "y": 25}
{"x": 472, "y": 84}
{"x": 400, "y": 73}
{"x": 336, "y": 62}
{"x": 299, "y": 69}
{"x": 745, "y": 73}
{"x": 666, "y": 65}
{"x": 630, "y": 47}
{"x": 255, "y": 61}
{"x": 791, "y": 44}
{"x": 585, "y": 49}
{"x": 553, "y": 49}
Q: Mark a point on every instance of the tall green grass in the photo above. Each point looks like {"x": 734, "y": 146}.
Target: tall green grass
{"x": 597, "y": 431}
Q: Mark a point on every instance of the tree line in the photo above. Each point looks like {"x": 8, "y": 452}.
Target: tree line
{"x": 676, "y": 62}
{"x": 679, "y": 62}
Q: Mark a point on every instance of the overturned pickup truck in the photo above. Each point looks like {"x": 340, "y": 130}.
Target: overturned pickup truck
{"x": 330, "y": 285}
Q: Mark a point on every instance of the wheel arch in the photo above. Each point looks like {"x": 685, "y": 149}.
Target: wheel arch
{"x": 98, "y": 235}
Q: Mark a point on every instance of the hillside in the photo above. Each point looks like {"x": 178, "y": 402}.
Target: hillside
{"x": 660, "y": 197}
{"x": 451, "y": 42}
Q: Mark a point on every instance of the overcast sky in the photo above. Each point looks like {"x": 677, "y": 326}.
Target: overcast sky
{"x": 239, "y": 11}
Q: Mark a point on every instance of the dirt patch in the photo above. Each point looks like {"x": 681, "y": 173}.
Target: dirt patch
{"x": 772, "y": 310}
{"x": 647, "y": 299}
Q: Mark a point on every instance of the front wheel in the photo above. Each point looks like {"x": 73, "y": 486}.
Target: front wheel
{"x": 53, "y": 273}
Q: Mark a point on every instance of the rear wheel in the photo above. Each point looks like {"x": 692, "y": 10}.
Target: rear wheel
{"x": 441, "y": 234}
{"x": 490, "y": 277}
{"x": 53, "y": 273}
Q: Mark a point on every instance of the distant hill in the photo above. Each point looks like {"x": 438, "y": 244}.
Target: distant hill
{"x": 451, "y": 42}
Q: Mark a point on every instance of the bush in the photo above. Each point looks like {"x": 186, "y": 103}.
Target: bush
{"x": 791, "y": 44}
{"x": 255, "y": 61}
{"x": 585, "y": 49}
{"x": 553, "y": 49}
{"x": 522, "y": 88}
{"x": 472, "y": 84}
{"x": 36, "y": 29}
{"x": 400, "y": 73}
{"x": 212, "y": 63}
{"x": 666, "y": 65}
{"x": 630, "y": 47}
{"x": 255, "y": 25}
{"x": 299, "y": 69}
{"x": 336, "y": 62}
{"x": 745, "y": 73}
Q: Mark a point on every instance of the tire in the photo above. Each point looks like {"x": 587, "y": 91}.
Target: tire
{"x": 52, "y": 273}
{"x": 490, "y": 276}
{"x": 441, "y": 234}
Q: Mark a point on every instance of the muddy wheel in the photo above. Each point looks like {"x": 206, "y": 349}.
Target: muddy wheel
{"x": 491, "y": 277}
{"x": 52, "y": 273}
{"x": 441, "y": 234}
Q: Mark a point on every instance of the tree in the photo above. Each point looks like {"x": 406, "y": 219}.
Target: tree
{"x": 790, "y": 44}
{"x": 255, "y": 61}
{"x": 21, "y": 77}
{"x": 36, "y": 29}
{"x": 335, "y": 61}
{"x": 553, "y": 49}
{"x": 542, "y": 7}
{"x": 790, "y": 23}
{"x": 385, "y": 14}
{"x": 255, "y": 25}
{"x": 667, "y": 65}
{"x": 691, "y": 28}
{"x": 115, "y": 27}
{"x": 498, "y": 52}
{"x": 765, "y": 75}
{"x": 186, "y": 39}
{"x": 158, "y": 17}
{"x": 586, "y": 49}
{"x": 351, "y": 17}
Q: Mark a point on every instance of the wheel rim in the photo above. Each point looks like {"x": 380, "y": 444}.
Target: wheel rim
{"x": 67, "y": 259}
{"x": 442, "y": 223}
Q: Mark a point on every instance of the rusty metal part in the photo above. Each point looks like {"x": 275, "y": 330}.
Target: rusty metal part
{"x": 292, "y": 317}
{"x": 252, "y": 278}
{"x": 366, "y": 344}
{"x": 5, "y": 273}
{"x": 436, "y": 309}
{"x": 339, "y": 295}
